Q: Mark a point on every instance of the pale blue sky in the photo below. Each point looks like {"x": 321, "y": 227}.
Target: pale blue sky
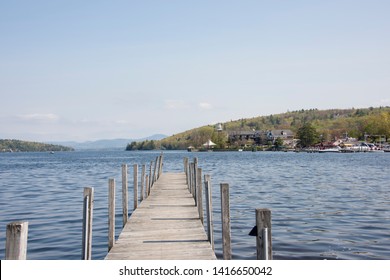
{"x": 86, "y": 70}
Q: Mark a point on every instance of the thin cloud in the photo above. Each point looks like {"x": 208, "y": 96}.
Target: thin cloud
{"x": 205, "y": 106}
{"x": 39, "y": 117}
{"x": 175, "y": 104}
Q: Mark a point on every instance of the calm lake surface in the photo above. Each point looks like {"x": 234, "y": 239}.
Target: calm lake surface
{"x": 324, "y": 206}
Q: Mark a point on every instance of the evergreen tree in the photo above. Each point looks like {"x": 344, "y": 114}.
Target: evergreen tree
{"x": 278, "y": 144}
{"x": 307, "y": 135}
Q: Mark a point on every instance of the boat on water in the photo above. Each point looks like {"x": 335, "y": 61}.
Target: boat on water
{"x": 330, "y": 150}
{"x": 385, "y": 148}
{"x": 363, "y": 147}
{"x": 374, "y": 148}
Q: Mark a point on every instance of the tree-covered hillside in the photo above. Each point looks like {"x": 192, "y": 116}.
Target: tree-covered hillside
{"x": 330, "y": 124}
{"x": 8, "y": 145}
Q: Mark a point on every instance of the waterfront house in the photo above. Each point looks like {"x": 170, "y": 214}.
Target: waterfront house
{"x": 284, "y": 134}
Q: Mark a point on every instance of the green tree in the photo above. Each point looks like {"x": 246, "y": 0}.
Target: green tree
{"x": 201, "y": 135}
{"x": 131, "y": 146}
{"x": 307, "y": 135}
{"x": 278, "y": 144}
{"x": 219, "y": 138}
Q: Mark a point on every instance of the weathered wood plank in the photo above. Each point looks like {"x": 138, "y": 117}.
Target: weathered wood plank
{"x": 165, "y": 225}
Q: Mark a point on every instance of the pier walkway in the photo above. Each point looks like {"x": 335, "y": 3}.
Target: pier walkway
{"x": 166, "y": 225}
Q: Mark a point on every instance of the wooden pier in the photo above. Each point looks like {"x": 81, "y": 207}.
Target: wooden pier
{"x": 166, "y": 225}
{"x": 168, "y": 221}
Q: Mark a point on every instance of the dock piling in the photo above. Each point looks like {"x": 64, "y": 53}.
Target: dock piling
{"x": 209, "y": 210}
{"x": 111, "y": 213}
{"x": 135, "y": 181}
{"x": 264, "y": 237}
{"x": 143, "y": 182}
{"x": 191, "y": 179}
{"x": 125, "y": 195}
{"x": 150, "y": 176}
{"x": 199, "y": 196}
{"x": 154, "y": 172}
{"x": 195, "y": 178}
{"x": 160, "y": 169}
{"x": 225, "y": 213}
{"x": 16, "y": 241}
{"x": 185, "y": 160}
{"x": 147, "y": 186}
{"x": 87, "y": 223}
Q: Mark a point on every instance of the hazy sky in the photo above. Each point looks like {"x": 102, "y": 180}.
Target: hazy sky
{"x": 86, "y": 70}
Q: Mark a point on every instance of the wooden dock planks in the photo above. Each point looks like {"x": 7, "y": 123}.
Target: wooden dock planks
{"x": 165, "y": 226}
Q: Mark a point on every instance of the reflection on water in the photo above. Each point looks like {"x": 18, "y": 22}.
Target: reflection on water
{"x": 324, "y": 206}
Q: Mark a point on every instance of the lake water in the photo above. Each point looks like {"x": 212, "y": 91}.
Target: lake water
{"x": 324, "y": 206}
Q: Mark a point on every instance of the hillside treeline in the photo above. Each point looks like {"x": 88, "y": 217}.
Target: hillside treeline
{"x": 363, "y": 124}
{"x": 8, "y": 145}
{"x": 331, "y": 124}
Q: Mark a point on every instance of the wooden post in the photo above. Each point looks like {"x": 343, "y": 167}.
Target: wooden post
{"x": 264, "y": 235}
{"x": 157, "y": 162}
{"x": 160, "y": 165}
{"x": 143, "y": 182}
{"x": 158, "y": 159}
{"x": 209, "y": 210}
{"x": 191, "y": 186}
{"x": 186, "y": 168}
{"x": 87, "y": 224}
{"x": 150, "y": 176}
{"x": 125, "y": 195}
{"x": 225, "y": 213}
{"x": 111, "y": 213}
{"x": 199, "y": 197}
{"x": 189, "y": 177}
{"x": 185, "y": 160}
{"x": 147, "y": 186}
{"x": 195, "y": 179}
{"x": 16, "y": 241}
{"x": 154, "y": 172}
{"x": 135, "y": 180}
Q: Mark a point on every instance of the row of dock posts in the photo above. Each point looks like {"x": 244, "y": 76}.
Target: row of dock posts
{"x": 262, "y": 229}
{"x": 147, "y": 182}
{"x": 17, "y": 232}
{"x": 194, "y": 182}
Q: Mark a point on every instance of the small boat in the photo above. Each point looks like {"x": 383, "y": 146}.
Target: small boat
{"x": 240, "y": 150}
{"x": 374, "y": 148}
{"x": 331, "y": 150}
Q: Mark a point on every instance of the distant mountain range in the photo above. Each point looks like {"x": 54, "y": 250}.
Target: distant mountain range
{"x": 106, "y": 143}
